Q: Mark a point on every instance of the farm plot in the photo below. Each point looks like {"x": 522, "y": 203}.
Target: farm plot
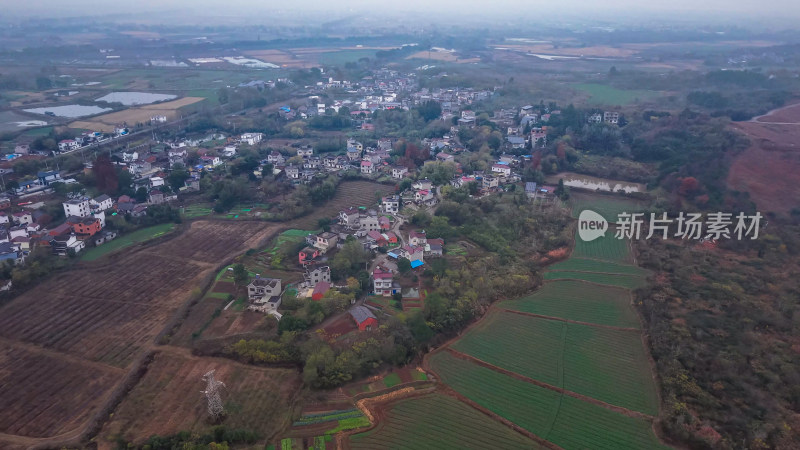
{"x": 218, "y": 240}
{"x": 132, "y": 116}
{"x": 48, "y": 413}
{"x": 582, "y": 302}
{"x": 605, "y": 364}
{"x": 167, "y": 399}
{"x": 348, "y": 193}
{"x": 611, "y": 279}
{"x": 606, "y": 248}
{"x": 126, "y": 240}
{"x": 565, "y": 421}
{"x": 438, "y": 421}
{"x": 521, "y": 344}
{"x": 109, "y": 318}
{"x": 607, "y": 206}
{"x": 104, "y": 316}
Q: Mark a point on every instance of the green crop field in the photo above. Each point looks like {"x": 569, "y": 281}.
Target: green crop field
{"x": 565, "y": 421}
{"x": 607, "y": 248}
{"x": 345, "y": 56}
{"x": 583, "y": 302}
{"x": 602, "y": 94}
{"x": 440, "y": 422}
{"x": 524, "y": 345}
{"x": 136, "y": 237}
{"x": 593, "y": 265}
{"x": 608, "y": 206}
{"x": 605, "y": 364}
{"x": 626, "y": 281}
{"x": 609, "y": 365}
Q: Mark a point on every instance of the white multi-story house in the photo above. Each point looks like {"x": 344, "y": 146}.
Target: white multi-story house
{"x": 502, "y": 169}
{"x": 399, "y": 172}
{"x": 251, "y": 138}
{"x": 382, "y": 281}
{"x": 390, "y": 204}
{"x": 78, "y": 207}
{"x": 317, "y": 274}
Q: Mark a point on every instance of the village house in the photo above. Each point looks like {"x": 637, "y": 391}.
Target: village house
{"x": 611, "y": 117}
{"x": 399, "y": 172}
{"x": 77, "y": 207}
{"x": 18, "y": 231}
{"x": 425, "y": 197}
{"x": 367, "y": 168}
{"x": 305, "y": 152}
{"x": 229, "y": 151}
{"x": 383, "y": 281}
{"x": 501, "y": 169}
{"x": 156, "y": 197}
{"x": 275, "y": 158}
{"x": 369, "y": 222}
{"x": 314, "y": 275}
{"x": 292, "y": 172}
{"x": 445, "y": 157}
{"x": 67, "y": 145}
{"x": 384, "y": 223}
{"x": 376, "y": 239}
{"x": 10, "y": 251}
{"x": 62, "y": 244}
{"x": 307, "y": 255}
{"x": 85, "y": 226}
{"x": 101, "y": 203}
{"x": 424, "y": 184}
{"x": 326, "y": 241}
{"x": 363, "y": 318}
{"x": 413, "y": 254}
{"x": 390, "y": 204}
{"x": 251, "y": 138}
{"x": 22, "y": 217}
{"x": 595, "y": 118}
{"x": 261, "y": 290}
{"x": 490, "y": 182}
{"x": 417, "y": 238}
{"x": 350, "y": 218}
{"x": 212, "y": 161}
{"x": 434, "y": 247}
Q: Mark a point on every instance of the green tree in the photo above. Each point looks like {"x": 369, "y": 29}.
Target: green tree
{"x": 403, "y": 265}
{"x": 240, "y": 275}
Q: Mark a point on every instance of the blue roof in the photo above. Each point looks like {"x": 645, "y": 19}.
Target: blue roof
{"x": 393, "y": 255}
{"x": 416, "y": 263}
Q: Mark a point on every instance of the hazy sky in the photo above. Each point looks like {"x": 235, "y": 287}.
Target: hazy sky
{"x": 532, "y": 8}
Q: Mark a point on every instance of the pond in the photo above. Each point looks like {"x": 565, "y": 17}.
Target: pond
{"x": 588, "y": 182}
{"x": 70, "y": 111}
{"x": 135, "y": 98}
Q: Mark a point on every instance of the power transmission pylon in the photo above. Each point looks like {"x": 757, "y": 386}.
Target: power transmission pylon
{"x": 215, "y": 409}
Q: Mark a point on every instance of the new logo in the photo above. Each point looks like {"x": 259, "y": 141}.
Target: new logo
{"x": 591, "y": 225}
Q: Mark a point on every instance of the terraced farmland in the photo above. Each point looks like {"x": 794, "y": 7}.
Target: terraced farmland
{"x": 607, "y": 248}
{"x": 608, "y": 206}
{"x": 578, "y": 301}
{"x": 566, "y": 363}
{"x": 441, "y": 422}
{"x": 167, "y": 399}
{"x": 92, "y": 323}
{"x": 565, "y": 421}
{"x": 606, "y": 364}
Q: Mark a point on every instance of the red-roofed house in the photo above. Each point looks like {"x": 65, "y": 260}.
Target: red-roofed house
{"x": 59, "y": 230}
{"x": 416, "y": 238}
{"x": 382, "y": 280}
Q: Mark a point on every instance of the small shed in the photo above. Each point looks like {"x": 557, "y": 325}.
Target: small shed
{"x": 319, "y": 290}
{"x": 363, "y": 318}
